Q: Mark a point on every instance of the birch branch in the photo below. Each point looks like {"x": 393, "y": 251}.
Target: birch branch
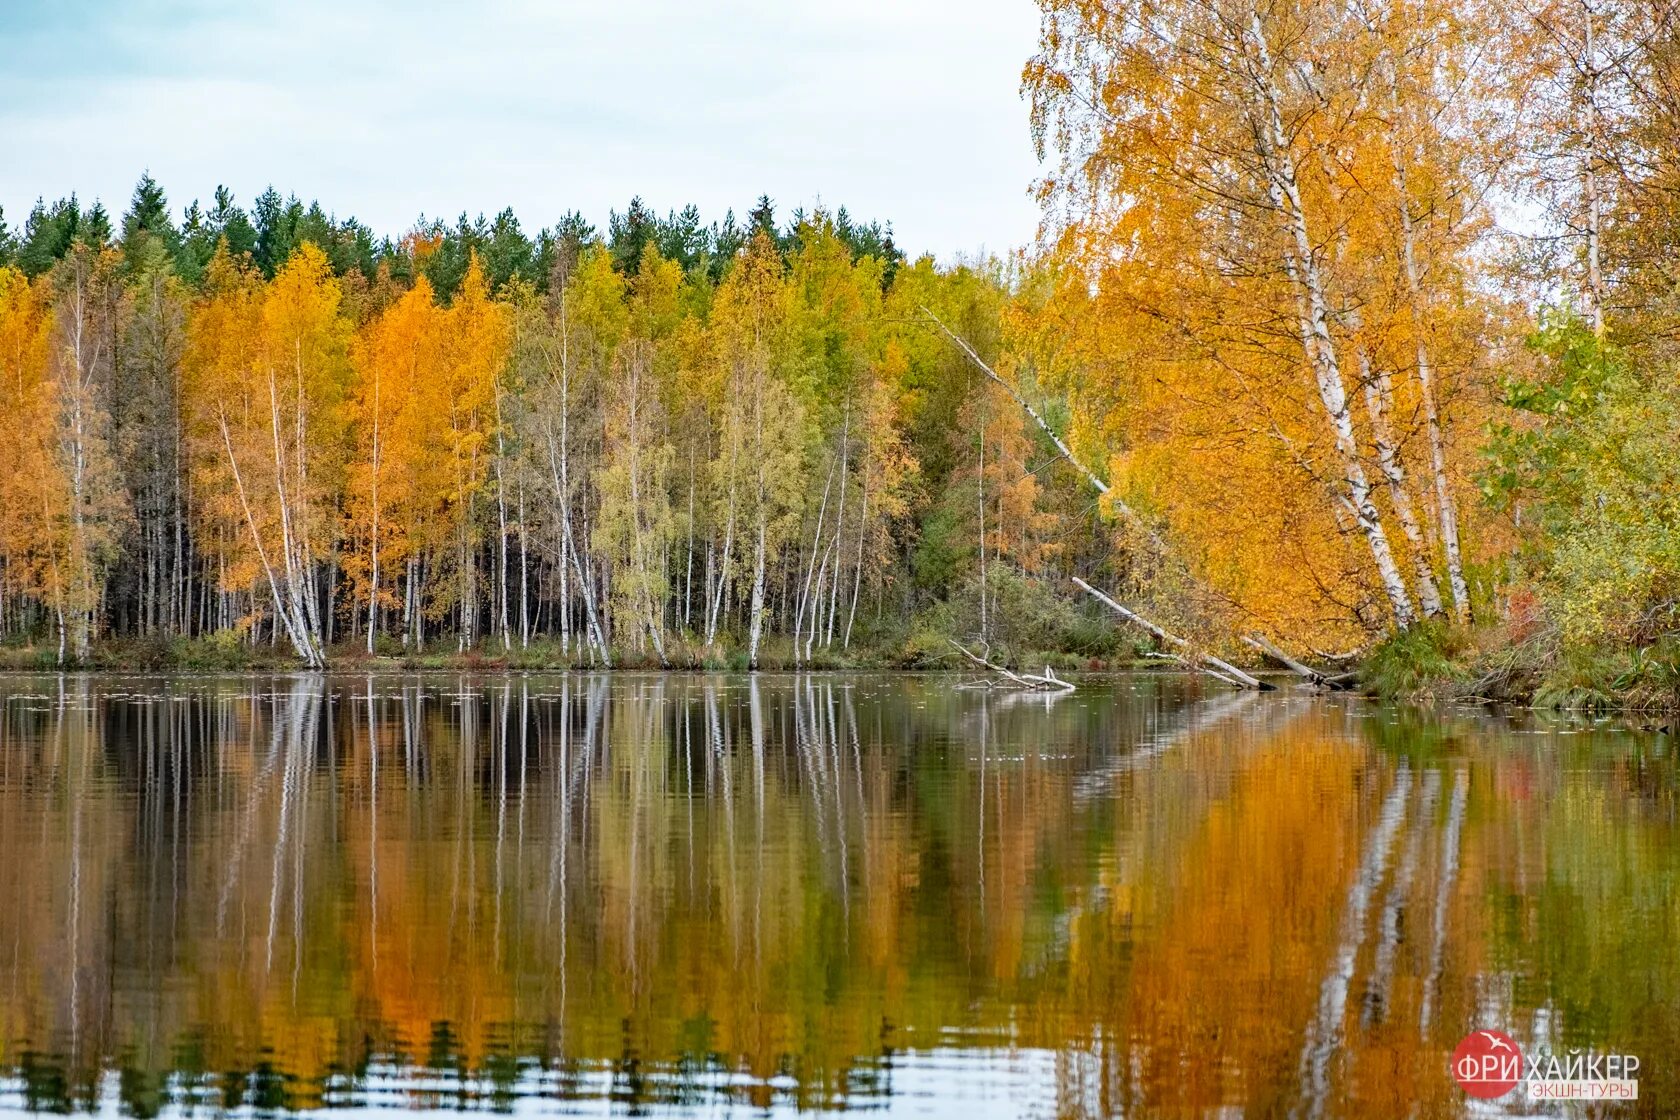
{"x": 1062, "y": 448}
{"x": 1264, "y": 646}
{"x": 1185, "y": 662}
{"x": 1049, "y": 681}
{"x": 1201, "y": 662}
{"x": 1067, "y": 453}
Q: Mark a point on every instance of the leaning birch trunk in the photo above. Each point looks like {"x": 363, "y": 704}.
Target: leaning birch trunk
{"x": 282, "y": 607}
{"x": 287, "y": 560}
{"x": 839, "y": 527}
{"x": 1201, "y": 662}
{"x": 307, "y": 564}
{"x": 563, "y": 484}
{"x": 1062, "y": 448}
{"x": 824, "y": 580}
{"x": 524, "y": 570}
{"x": 501, "y": 528}
{"x": 811, "y": 568}
{"x": 79, "y": 557}
{"x": 714, "y": 597}
{"x": 1448, "y": 511}
{"x": 1301, "y": 266}
{"x": 857, "y": 571}
{"x": 651, "y": 619}
{"x": 688, "y": 569}
{"x": 755, "y": 621}
{"x": 568, "y": 547}
{"x": 1265, "y": 646}
{"x": 980, "y": 503}
{"x": 1378, "y": 394}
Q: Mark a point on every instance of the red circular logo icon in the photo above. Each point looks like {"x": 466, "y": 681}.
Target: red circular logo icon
{"x": 1487, "y": 1064}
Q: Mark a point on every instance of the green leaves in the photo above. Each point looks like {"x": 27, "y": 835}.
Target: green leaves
{"x": 1580, "y": 368}
{"x": 1591, "y": 473}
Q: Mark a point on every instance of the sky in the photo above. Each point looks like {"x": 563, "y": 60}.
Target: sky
{"x": 908, "y": 112}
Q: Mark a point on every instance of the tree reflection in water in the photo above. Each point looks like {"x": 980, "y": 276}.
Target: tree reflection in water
{"x": 809, "y": 891}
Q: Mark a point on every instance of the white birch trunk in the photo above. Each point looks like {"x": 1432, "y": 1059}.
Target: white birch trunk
{"x": 857, "y": 571}
{"x": 1378, "y": 394}
{"x": 810, "y": 571}
{"x": 1447, "y": 510}
{"x": 373, "y": 567}
{"x": 755, "y": 621}
{"x": 1303, "y": 270}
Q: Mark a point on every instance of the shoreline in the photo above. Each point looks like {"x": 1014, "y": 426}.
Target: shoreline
{"x": 207, "y": 656}
{"x": 1391, "y": 673}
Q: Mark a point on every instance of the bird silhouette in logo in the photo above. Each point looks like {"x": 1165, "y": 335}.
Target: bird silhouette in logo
{"x": 1495, "y": 1042}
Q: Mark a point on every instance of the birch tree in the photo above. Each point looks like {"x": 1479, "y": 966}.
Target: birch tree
{"x": 1210, "y": 187}
{"x": 269, "y": 374}
{"x": 90, "y": 309}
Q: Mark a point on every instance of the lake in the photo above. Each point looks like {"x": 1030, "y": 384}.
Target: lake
{"x": 699, "y": 895}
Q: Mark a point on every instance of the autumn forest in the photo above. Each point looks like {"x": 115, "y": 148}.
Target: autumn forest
{"x": 1349, "y": 329}
{"x": 667, "y": 439}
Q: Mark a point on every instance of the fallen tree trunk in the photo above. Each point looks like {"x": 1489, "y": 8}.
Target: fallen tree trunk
{"x": 1202, "y": 663}
{"x": 1187, "y": 655}
{"x": 1049, "y": 682}
{"x": 1321, "y": 680}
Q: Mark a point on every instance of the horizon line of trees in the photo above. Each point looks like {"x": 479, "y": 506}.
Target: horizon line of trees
{"x": 276, "y": 225}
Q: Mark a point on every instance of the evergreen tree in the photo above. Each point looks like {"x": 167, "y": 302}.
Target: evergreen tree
{"x": 630, "y": 233}
{"x": 682, "y": 238}
{"x": 229, "y": 221}
{"x": 356, "y": 249}
{"x": 507, "y": 253}
{"x": 445, "y": 263}
{"x": 95, "y": 231}
{"x": 276, "y": 228}
{"x": 148, "y": 220}
{"x": 48, "y": 234}
{"x": 727, "y": 240}
{"x": 202, "y": 231}
{"x": 317, "y": 227}
{"x": 762, "y": 217}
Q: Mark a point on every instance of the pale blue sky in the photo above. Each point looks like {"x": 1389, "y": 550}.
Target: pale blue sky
{"x": 908, "y": 112}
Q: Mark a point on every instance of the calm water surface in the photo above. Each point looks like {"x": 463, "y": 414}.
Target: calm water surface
{"x": 711, "y": 894}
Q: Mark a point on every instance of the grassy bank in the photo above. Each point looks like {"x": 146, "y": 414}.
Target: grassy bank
{"x": 1433, "y": 662}
{"x": 1443, "y": 662}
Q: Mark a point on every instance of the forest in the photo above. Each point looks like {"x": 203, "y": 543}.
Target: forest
{"x": 1349, "y": 330}
{"x": 666, "y": 444}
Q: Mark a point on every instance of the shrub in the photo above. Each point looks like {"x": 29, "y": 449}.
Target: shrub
{"x": 1419, "y": 660}
{"x": 1594, "y": 470}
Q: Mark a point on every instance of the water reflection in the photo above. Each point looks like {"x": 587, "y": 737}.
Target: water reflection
{"x": 809, "y": 892}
